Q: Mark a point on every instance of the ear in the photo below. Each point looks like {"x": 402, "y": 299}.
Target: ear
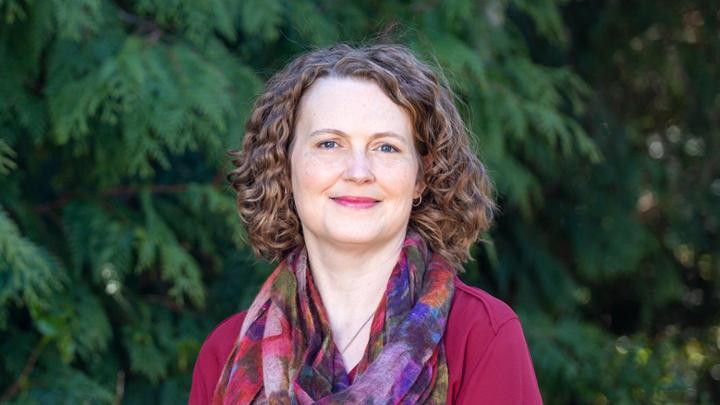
{"x": 419, "y": 188}
{"x": 420, "y": 183}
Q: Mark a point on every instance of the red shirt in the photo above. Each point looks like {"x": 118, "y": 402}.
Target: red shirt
{"x": 488, "y": 359}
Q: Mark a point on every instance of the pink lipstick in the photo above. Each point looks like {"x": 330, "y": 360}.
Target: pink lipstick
{"x": 356, "y": 202}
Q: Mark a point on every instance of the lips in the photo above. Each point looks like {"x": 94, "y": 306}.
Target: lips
{"x": 356, "y": 202}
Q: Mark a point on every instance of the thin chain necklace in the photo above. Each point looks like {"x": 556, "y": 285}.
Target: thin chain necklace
{"x": 357, "y": 333}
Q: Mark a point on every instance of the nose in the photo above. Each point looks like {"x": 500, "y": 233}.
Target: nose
{"x": 358, "y": 168}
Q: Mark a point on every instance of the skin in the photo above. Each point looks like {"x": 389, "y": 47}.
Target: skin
{"x": 354, "y": 173}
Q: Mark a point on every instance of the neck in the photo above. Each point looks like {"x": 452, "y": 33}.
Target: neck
{"x": 351, "y": 279}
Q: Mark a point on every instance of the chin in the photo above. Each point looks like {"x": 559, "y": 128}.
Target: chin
{"x": 356, "y": 238}
{"x": 357, "y": 234}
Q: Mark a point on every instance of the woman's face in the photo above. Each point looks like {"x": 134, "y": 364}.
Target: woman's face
{"x": 354, "y": 165}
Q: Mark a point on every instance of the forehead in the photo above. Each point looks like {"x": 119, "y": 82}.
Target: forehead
{"x": 353, "y": 105}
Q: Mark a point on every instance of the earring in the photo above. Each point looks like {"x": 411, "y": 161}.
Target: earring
{"x": 417, "y": 204}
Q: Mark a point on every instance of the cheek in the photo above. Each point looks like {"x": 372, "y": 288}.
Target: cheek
{"x": 401, "y": 173}
{"x": 312, "y": 173}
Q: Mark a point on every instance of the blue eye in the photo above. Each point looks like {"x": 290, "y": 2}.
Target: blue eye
{"x": 327, "y": 144}
{"x": 387, "y": 148}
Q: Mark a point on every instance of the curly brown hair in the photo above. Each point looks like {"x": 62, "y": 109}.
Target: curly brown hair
{"x": 457, "y": 203}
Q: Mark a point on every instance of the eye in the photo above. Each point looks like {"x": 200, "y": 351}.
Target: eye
{"x": 386, "y": 147}
{"x": 327, "y": 144}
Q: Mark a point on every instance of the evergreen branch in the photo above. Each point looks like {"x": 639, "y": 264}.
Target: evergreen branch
{"x": 7, "y": 158}
{"x": 29, "y": 366}
{"x": 113, "y": 192}
{"x": 142, "y": 25}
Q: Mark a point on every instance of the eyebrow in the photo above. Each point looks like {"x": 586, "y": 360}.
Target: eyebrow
{"x": 343, "y": 134}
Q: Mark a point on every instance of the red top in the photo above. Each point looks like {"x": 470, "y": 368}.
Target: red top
{"x": 488, "y": 359}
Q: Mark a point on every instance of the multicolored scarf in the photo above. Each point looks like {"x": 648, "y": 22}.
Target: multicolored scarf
{"x": 285, "y": 352}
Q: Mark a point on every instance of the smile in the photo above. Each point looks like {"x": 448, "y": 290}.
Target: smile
{"x": 356, "y": 202}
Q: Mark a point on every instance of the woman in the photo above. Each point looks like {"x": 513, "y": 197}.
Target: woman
{"x": 356, "y": 172}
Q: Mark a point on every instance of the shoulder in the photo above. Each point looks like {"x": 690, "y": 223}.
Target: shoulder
{"x": 479, "y": 309}
{"x": 475, "y": 321}
{"x": 487, "y": 356}
{"x": 211, "y": 359}
{"x": 476, "y": 318}
{"x": 225, "y": 332}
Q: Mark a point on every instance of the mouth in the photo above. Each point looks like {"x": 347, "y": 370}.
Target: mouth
{"x": 356, "y": 202}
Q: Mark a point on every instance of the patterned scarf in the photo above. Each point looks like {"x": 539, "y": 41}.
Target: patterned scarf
{"x": 285, "y": 353}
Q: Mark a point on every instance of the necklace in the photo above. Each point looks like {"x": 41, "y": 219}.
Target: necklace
{"x": 357, "y": 333}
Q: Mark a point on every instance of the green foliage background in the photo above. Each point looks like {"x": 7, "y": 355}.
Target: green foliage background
{"x": 120, "y": 248}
